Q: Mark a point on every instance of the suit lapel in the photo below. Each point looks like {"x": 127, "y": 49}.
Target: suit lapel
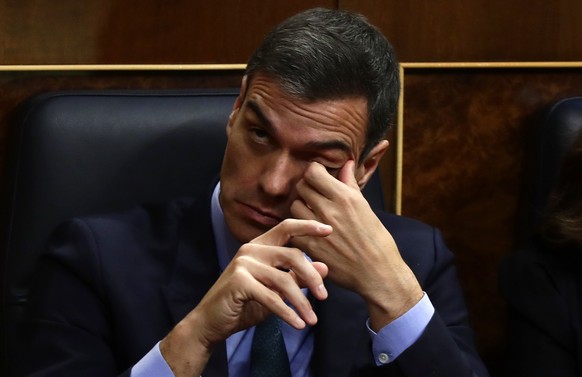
{"x": 195, "y": 271}
{"x": 340, "y": 333}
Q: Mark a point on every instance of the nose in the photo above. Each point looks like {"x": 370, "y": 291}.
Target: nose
{"x": 280, "y": 175}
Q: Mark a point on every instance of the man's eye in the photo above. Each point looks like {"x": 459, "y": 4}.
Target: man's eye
{"x": 332, "y": 170}
{"x": 259, "y": 134}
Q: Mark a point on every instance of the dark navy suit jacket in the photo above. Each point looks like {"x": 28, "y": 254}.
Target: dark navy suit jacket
{"x": 110, "y": 287}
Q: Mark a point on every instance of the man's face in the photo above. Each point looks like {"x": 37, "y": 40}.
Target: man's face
{"x": 272, "y": 138}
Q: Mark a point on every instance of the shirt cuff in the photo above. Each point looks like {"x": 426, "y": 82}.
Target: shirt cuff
{"x": 398, "y": 335}
{"x": 152, "y": 364}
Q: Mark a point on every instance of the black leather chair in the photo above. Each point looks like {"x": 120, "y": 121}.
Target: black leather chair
{"x": 95, "y": 151}
{"x": 557, "y": 132}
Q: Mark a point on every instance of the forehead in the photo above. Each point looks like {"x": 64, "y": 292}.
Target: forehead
{"x": 343, "y": 118}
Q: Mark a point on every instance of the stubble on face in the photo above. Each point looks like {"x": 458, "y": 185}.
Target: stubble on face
{"x": 272, "y": 138}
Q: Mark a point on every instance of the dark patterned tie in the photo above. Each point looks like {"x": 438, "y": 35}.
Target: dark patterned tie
{"x": 268, "y": 353}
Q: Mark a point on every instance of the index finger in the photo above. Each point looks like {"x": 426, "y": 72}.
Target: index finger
{"x": 318, "y": 179}
{"x": 283, "y": 232}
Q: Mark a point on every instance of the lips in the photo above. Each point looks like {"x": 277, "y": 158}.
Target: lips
{"x": 259, "y": 216}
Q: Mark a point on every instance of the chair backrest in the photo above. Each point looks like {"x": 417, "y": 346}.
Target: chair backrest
{"x": 559, "y": 129}
{"x": 85, "y": 152}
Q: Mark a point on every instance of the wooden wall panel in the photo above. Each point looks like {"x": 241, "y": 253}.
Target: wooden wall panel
{"x": 467, "y": 137}
{"x": 477, "y": 30}
{"x": 197, "y": 31}
{"x": 156, "y": 31}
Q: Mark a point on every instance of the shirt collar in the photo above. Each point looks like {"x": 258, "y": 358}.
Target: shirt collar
{"x": 226, "y": 244}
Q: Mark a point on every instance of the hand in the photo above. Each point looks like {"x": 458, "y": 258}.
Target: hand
{"x": 262, "y": 275}
{"x": 361, "y": 253}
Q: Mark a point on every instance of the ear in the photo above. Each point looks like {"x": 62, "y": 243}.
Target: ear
{"x": 237, "y": 105}
{"x": 365, "y": 170}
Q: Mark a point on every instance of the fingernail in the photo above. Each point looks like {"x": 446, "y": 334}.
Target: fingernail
{"x": 324, "y": 228}
{"x": 322, "y": 291}
{"x": 312, "y": 317}
{"x": 299, "y": 323}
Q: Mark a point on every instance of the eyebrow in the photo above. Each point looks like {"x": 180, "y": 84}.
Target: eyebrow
{"x": 330, "y": 145}
{"x": 327, "y": 145}
{"x": 254, "y": 106}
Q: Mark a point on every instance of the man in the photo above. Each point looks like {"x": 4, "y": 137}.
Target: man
{"x": 286, "y": 232}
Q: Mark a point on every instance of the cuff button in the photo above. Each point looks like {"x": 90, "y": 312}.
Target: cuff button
{"x": 383, "y": 358}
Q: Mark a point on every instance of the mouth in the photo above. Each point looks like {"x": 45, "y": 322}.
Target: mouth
{"x": 259, "y": 216}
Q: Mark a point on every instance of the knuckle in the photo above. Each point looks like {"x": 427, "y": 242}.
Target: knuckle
{"x": 284, "y": 279}
{"x": 288, "y": 222}
{"x": 240, "y": 264}
{"x": 237, "y": 264}
{"x": 239, "y": 275}
{"x": 272, "y": 300}
{"x": 301, "y": 303}
{"x": 245, "y": 249}
{"x": 315, "y": 277}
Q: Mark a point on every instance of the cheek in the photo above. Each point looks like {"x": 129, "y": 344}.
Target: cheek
{"x": 234, "y": 153}
{"x": 239, "y": 169}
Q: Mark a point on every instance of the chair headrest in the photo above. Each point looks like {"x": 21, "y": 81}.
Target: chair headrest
{"x": 558, "y": 131}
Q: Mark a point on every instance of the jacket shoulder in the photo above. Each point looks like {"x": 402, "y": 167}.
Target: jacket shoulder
{"x": 409, "y": 232}
{"x": 421, "y": 245}
{"x": 149, "y": 232}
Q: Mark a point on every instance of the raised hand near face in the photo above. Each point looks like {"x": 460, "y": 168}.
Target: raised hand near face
{"x": 262, "y": 275}
{"x": 360, "y": 253}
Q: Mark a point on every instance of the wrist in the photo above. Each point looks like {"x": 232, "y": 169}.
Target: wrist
{"x": 384, "y": 308}
{"x": 186, "y": 350}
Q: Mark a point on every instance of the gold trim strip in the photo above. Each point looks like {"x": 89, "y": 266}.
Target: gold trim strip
{"x": 448, "y": 65}
{"x": 399, "y": 147}
{"x": 193, "y": 67}
{"x": 121, "y": 67}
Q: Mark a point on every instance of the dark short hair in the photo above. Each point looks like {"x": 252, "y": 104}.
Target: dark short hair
{"x": 323, "y": 54}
